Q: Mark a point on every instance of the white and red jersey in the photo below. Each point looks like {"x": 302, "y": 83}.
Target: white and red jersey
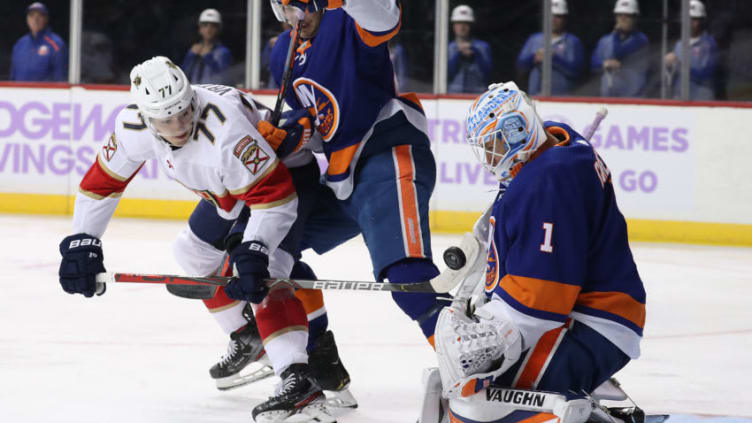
{"x": 226, "y": 162}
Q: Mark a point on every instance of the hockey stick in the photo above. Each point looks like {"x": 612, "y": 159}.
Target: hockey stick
{"x": 599, "y": 116}
{"x": 455, "y": 258}
{"x": 286, "y": 75}
{"x": 295, "y": 283}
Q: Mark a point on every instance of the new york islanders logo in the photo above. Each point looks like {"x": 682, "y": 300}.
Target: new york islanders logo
{"x": 492, "y": 266}
{"x": 109, "y": 149}
{"x": 321, "y": 103}
{"x": 252, "y": 156}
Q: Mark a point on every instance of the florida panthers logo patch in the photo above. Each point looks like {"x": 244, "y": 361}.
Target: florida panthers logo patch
{"x": 492, "y": 266}
{"x": 322, "y": 103}
{"x": 108, "y": 150}
{"x": 254, "y": 158}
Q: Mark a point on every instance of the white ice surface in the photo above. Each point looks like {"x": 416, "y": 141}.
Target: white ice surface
{"x": 138, "y": 354}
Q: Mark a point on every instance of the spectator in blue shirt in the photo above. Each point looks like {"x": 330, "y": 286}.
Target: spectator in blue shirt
{"x": 568, "y": 56}
{"x": 621, "y": 57}
{"x": 40, "y": 55}
{"x": 207, "y": 60}
{"x": 469, "y": 59}
{"x": 703, "y": 59}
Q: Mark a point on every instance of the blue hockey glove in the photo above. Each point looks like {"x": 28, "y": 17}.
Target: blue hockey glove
{"x": 82, "y": 260}
{"x": 313, "y": 5}
{"x": 291, "y": 135}
{"x": 250, "y": 260}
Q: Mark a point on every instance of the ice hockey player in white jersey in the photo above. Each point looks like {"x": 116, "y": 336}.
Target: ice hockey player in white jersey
{"x": 205, "y": 138}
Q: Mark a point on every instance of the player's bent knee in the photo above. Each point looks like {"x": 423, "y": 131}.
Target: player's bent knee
{"x": 196, "y": 257}
{"x": 281, "y": 311}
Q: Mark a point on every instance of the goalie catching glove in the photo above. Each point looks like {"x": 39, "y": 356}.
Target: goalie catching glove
{"x": 474, "y": 350}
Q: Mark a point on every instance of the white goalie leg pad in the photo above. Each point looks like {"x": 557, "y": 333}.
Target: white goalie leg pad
{"x": 434, "y": 408}
{"x": 196, "y": 257}
{"x": 468, "y": 349}
{"x": 493, "y": 404}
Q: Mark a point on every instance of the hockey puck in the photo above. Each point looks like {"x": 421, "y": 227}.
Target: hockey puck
{"x": 454, "y": 258}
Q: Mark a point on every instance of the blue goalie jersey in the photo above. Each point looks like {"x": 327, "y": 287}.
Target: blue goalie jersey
{"x": 558, "y": 248}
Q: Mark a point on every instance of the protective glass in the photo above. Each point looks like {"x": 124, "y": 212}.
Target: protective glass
{"x": 176, "y": 126}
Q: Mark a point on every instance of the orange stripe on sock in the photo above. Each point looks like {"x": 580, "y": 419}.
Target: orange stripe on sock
{"x": 312, "y": 299}
{"x": 539, "y": 418}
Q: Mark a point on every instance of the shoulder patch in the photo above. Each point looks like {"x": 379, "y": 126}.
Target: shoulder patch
{"x": 253, "y": 157}
{"x": 108, "y": 150}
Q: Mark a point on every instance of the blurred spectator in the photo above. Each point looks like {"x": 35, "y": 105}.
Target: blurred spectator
{"x": 469, "y": 59}
{"x": 96, "y": 58}
{"x": 622, "y": 55}
{"x": 568, "y": 56}
{"x": 266, "y": 79}
{"x": 207, "y": 60}
{"x": 703, "y": 60}
{"x": 399, "y": 62}
{"x": 40, "y": 55}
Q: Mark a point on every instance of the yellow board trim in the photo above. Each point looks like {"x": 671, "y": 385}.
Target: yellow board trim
{"x": 63, "y": 205}
{"x": 441, "y": 221}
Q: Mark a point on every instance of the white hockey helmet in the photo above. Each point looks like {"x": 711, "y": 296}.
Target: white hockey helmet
{"x": 627, "y": 7}
{"x": 504, "y": 129}
{"x": 559, "y": 7}
{"x": 162, "y": 91}
{"x": 210, "y": 16}
{"x": 697, "y": 9}
{"x": 462, "y": 13}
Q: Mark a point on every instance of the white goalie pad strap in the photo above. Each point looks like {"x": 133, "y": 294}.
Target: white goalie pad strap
{"x": 468, "y": 350}
{"x": 493, "y": 404}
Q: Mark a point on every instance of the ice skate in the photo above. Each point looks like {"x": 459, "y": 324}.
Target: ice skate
{"x": 297, "y": 394}
{"x": 245, "y": 361}
{"x": 330, "y": 374}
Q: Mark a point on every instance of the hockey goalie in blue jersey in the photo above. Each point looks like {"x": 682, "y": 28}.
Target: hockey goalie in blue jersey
{"x": 564, "y": 306}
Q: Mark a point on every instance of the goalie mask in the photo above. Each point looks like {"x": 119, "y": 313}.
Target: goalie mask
{"x": 504, "y": 130}
{"x": 164, "y": 97}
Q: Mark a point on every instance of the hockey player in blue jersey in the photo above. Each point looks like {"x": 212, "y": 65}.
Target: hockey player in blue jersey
{"x": 564, "y": 306}
{"x": 381, "y": 170}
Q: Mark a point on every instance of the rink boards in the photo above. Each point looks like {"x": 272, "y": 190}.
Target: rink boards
{"x": 680, "y": 170}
